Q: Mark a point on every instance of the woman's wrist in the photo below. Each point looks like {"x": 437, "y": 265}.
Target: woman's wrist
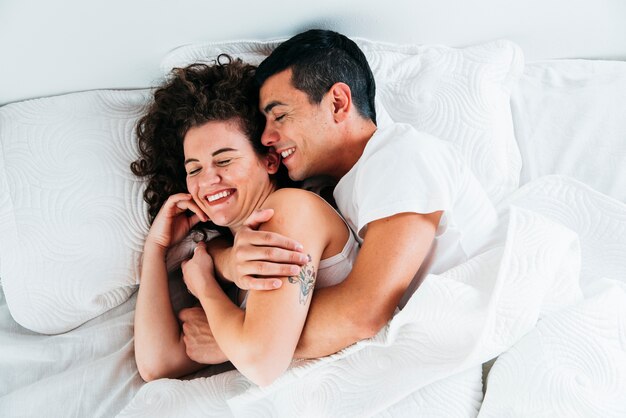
{"x": 219, "y": 249}
{"x": 153, "y": 249}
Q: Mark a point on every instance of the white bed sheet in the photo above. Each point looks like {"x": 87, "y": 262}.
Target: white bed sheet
{"x": 87, "y": 372}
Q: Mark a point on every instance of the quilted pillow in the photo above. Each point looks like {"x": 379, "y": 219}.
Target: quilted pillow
{"x": 72, "y": 216}
{"x": 553, "y": 137}
{"x": 461, "y": 95}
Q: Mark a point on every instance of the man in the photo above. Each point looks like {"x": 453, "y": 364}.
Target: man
{"x": 414, "y": 205}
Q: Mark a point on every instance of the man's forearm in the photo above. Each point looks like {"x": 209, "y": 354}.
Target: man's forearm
{"x": 334, "y": 322}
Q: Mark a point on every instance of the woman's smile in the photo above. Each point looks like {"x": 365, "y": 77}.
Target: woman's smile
{"x": 220, "y": 197}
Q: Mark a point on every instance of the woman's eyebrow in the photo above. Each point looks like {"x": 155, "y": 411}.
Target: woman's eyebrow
{"x": 221, "y": 150}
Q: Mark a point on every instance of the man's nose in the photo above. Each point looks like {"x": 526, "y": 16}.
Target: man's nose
{"x": 269, "y": 136}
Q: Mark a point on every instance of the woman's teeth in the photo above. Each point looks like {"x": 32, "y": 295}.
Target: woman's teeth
{"x": 219, "y": 195}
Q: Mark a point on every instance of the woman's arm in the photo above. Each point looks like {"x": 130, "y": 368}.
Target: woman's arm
{"x": 287, "y": 256}
{"x": 159, "y": 348}
{"x": 261, "y": 341}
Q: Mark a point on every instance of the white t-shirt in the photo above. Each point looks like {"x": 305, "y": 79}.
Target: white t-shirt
{"x": 403, "y": 170}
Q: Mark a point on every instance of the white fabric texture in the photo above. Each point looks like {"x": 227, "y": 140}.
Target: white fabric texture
{"x": 454, "y": 322}
{"x": 573, "y": 364}
{"x": 89, "y": 372}
{"x": 461, "y": 95}
{"x": 569, "y": 119}
{"x": 402, "y": 170}
{"x": 72, "y": 216}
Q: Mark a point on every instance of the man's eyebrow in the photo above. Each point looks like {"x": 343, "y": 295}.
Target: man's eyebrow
{"x": 272, "y": 105}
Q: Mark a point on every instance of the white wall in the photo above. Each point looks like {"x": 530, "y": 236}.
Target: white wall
{"x": 51, "y": 47}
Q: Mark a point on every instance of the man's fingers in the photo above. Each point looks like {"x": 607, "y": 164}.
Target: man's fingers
{"x": 271, "y": 239}
{"x": 271, "y": 255}
{"x": 266, "y": 269}
{"x": 184, "y": 314}
{"x": 187, "y": 314}
{"x": 258, "y": 217}
{"x": 253, "y": 283}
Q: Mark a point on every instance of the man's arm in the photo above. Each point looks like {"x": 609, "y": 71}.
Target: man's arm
{"x": 392, "y": 252}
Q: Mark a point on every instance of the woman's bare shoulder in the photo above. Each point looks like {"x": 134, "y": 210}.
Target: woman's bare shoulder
{"x": 301, "y": 205}
{"x": 293, "y": 197}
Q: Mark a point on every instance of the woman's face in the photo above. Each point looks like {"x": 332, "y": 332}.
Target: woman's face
{"x": 225, "y": 177}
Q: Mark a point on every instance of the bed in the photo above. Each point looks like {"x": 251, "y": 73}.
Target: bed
{"x": 535, "y": 325}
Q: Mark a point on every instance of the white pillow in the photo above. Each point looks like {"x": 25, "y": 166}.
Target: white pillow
{"x": 460, "y": 95}
{"x": 72, "y": 215}
{"x": 569, "y": 119}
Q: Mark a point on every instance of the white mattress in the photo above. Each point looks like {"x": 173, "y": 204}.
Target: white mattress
{"x": 90, "y": 371}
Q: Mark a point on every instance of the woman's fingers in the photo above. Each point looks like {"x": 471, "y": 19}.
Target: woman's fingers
{"x": 185, "y": 202}
{"x": 201, "y": 246}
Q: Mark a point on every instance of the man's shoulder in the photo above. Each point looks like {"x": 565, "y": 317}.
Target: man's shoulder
{"x": 402, "y": 140}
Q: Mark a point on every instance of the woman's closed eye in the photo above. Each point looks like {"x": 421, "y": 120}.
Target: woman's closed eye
{"x": 193, "y": 171}
{"x": 222, "y": 163}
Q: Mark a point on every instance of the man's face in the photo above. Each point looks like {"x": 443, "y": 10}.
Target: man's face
{"x": 298, "y": 130}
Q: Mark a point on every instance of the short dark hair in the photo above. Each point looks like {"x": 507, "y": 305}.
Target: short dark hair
{"x": 320, "y": 58}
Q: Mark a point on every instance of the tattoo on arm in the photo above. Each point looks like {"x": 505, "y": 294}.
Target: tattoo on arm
{"x": 306, "y": 279}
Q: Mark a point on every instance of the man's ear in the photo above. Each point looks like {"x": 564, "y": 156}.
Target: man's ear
{"x": 272, "y": 161}
{"x": 341, "y": 100}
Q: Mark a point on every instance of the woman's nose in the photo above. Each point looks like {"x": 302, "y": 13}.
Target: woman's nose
{"x": 209, "y": 177}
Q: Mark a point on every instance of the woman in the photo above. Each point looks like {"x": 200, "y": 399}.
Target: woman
{"x": 201, "y": 150}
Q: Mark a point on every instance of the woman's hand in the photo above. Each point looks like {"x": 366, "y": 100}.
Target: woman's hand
{"x": 171, "y": 223}
{"x": 198, "y": 272}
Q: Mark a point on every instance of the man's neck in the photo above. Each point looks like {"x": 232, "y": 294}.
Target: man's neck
{"x": 355, "y": 142}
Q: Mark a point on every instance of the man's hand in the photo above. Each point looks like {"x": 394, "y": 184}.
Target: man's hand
{"x": 259, "y": 258}
{"x": 198, "y": 338}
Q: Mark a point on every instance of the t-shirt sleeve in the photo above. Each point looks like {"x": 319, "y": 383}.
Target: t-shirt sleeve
{"x": 406, "y": 175}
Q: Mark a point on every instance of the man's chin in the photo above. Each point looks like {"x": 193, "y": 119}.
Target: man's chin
{"x": 295, "y": 176}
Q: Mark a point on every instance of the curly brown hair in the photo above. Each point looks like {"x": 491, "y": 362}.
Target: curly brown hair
{"x": 191, "y": 97}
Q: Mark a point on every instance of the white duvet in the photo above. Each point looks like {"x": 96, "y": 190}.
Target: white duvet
{"x": 427, "y": 359}
{"x": 564, "y": 353}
